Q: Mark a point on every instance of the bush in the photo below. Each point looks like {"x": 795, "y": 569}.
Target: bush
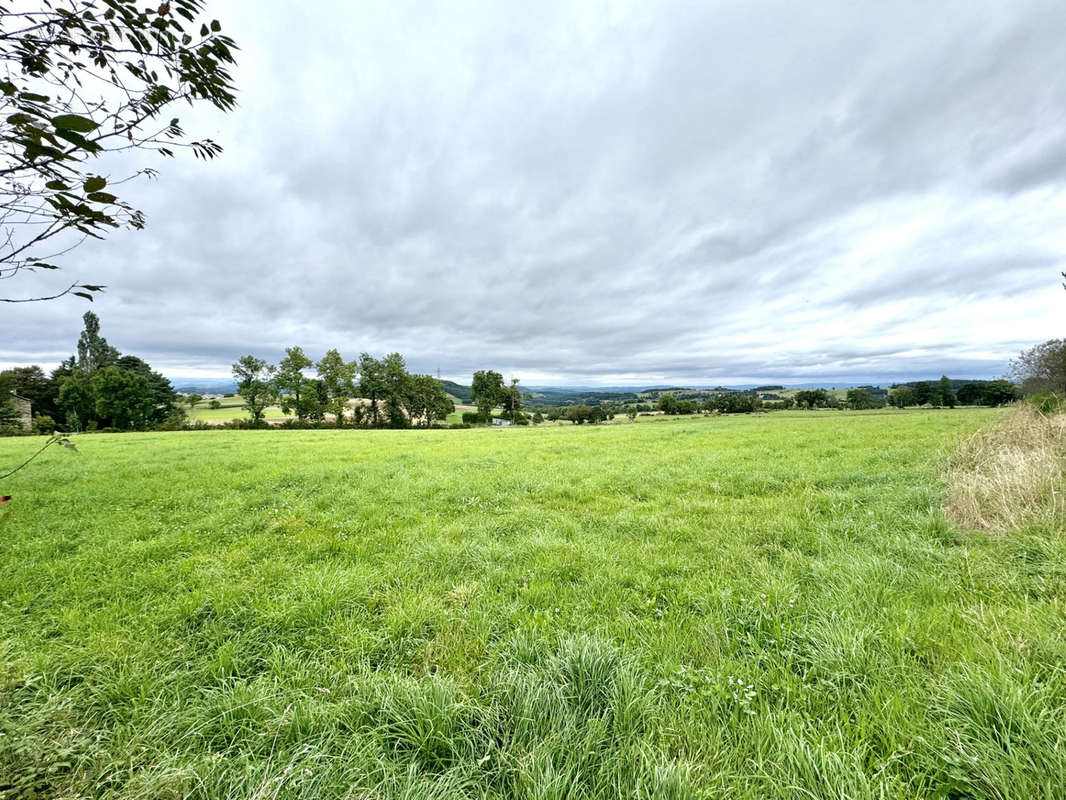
{"x": 215, "y": 404}
{"x": 1048, "y": 403}
{"x": 175, "y": 420}
{"x": 471, "y": 418}
{"x": 43, "y": 424}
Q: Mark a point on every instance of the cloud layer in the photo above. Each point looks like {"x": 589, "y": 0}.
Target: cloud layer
{"x": 608, "y": 193}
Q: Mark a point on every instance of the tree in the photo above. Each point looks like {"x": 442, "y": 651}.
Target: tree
{"x": 314, "y": 399}
{"x": 512, "y": 400}
{"x": 163, "y": 395}
{"x": 1041, "y": 368}
{"x": 289, "y": 380}
{"x": 427, "y": 400}
{"x": 811, "y": 398}
{"x": 947, "y": 396}
{"x": 337, "y": 376}
{"x": 862, "y": 398}
{"x": 192, "y": 399}
{"x": 371, "y": 383}
{"x": 80, "y": 79}
{"x": 123, "y": 399}
{"x": 77, "y": 400}
{"x": 396, "y": 389}
{"x": 29, "y": 382}
{"x": 737, "y": 403}
{"x": 93, "y": 350}
{"x": 902, "y": 396}
{"x": 925, "y": 393}
{"x": 631, "y": 412}
{"x": 667, "y": 403}
{"x": 255, "y": 385}
{"x": 998, "y": 393}
{"x": 488, "y": 390}
{"x": 9, "y": 416}
{"x": 579, "y": 414}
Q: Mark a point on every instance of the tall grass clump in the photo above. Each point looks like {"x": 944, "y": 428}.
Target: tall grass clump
{"x": 1011, "y": 475}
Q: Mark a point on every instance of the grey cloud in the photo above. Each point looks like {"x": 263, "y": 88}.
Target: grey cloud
{"x": 582, "y": 192}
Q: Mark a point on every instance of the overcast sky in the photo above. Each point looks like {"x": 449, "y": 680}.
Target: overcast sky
{"x": 606, "y": 193}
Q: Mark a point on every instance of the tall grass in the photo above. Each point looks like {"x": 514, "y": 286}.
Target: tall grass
{"x": 1011, "y": 475}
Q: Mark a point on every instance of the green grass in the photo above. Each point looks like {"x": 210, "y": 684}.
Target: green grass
{"x": 757, "y": 607}
{"x": 456, "y": 417}
{"x": 231, "y": 408}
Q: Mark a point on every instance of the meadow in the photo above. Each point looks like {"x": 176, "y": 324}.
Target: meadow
{"x": 772, "y": 606}
{"x": 230, "y": 408}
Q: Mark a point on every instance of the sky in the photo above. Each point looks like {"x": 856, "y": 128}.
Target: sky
{"x": 604, "y": 193}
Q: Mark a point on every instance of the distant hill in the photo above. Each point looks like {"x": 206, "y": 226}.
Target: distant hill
{"x": 464, "y": 394}
{"x": 204, "y": 385}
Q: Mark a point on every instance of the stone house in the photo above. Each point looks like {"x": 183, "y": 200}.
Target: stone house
{"x": 24, "y": 409}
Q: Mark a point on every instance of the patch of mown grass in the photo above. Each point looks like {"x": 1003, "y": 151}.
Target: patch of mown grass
{"x": 740, "y": 608}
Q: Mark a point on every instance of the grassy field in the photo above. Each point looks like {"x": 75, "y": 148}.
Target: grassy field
{"x": 757, "y": 607}
{"x": 457, "y": 416}
{"x": 231, "y": 408}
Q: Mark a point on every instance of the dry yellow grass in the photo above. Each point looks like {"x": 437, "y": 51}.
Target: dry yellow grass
{"x": 1012, "y": 474}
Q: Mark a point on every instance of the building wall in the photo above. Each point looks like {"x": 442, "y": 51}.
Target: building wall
{"x": 25, "y": 411}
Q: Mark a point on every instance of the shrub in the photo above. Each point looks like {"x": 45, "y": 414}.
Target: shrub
{"x": 44, "y": 424}
{"x": 1048, "y": 403}
{"x": 215, "y": 404}
{"x": 175, "y": 420}
{"x": 471, "y": 417}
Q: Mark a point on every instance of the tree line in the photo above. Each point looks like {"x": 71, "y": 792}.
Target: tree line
{"x": 98, "y": 388}
{"x": 394, "y": 397}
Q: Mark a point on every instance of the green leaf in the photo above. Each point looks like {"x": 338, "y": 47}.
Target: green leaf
{"x": 86, "y": 295}
{"x": 78, "y": 140}
{"x": 95, "y": 184}
{"x": 34, "y": 151}
{"x": 203, "y": 30}
{"x": 8, "y": 88}
{"x": 20, "y": 119}
{"x": 92, "y": 287}
{"x": 42, "y": 265}
{"x": 74, "y": 122}
{"x": 101, "y": 197}
{"x": 56, "y": 186}
{"x": 33, "y": 98}
{"x": 215, "y": 26}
